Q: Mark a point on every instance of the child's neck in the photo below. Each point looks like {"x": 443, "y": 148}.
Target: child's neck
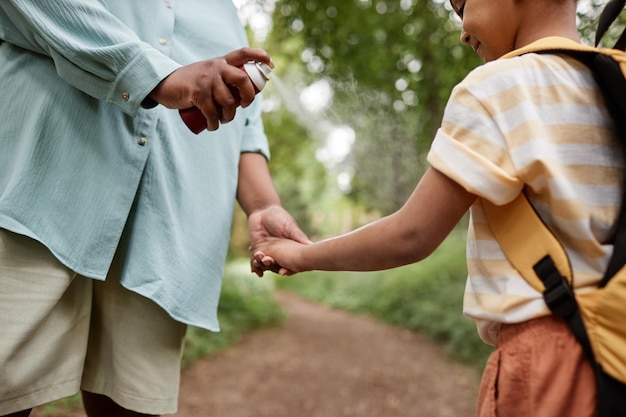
{"x": 557, "y": 19}
{"x": 522, "y": 40}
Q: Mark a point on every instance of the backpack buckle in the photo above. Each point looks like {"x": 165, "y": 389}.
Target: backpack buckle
{"x": 558, "y": 294}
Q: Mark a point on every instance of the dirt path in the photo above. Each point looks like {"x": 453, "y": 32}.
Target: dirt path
{"x": 327, "y": 363}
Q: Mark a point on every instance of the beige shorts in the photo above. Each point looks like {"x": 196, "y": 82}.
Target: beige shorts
{"x": 538, "y": 370}
{"x": 61, "y": 332}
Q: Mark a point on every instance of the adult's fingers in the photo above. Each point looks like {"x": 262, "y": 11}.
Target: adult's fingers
{"x": 241, "y": 56}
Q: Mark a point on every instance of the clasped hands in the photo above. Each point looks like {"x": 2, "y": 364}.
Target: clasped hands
{"x": 275, "y": 241}
{"x": 273, "y": 254}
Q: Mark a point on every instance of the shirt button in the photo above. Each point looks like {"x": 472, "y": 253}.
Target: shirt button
{"x": 168, "y": 4}
{"x": 162, "y": 41}
{"x": 142, "y": 141}
{"x": 125, "y": 95}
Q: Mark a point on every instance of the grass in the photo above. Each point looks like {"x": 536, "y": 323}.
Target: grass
{"x": 425, "y": 297}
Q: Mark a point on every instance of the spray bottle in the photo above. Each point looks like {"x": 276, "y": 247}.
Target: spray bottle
{"x": 258, "y": 73}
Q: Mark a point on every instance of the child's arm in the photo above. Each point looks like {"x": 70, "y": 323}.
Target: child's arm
{"x": 406, "y": 236}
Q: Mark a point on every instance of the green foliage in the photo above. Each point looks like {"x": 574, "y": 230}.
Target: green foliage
{"x": 298, "y": 175}
{"x": 246, "y": 304}
{"x": 374, "y": 43}
{"x": 424, "y": 297}
{"x": 62, "y": 407}
{"x": 588, "y": 13}
{"x": 392, "y": 65}
{"x": 389, "y": 156}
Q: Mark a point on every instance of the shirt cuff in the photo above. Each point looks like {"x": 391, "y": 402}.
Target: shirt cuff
{"x": 138, "y": 79}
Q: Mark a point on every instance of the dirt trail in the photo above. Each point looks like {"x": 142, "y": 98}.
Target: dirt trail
{"x": 327, "y": 363}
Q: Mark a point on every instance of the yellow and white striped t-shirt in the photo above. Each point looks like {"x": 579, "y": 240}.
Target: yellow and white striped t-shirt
{"x": 539, "y": 123}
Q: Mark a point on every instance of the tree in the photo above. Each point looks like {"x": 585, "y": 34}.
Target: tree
{"x": 392, "y": 65}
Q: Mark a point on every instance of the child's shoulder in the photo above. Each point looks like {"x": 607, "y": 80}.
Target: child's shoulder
{"x": 527, "y": 64}
{"x": 529, "y": 68}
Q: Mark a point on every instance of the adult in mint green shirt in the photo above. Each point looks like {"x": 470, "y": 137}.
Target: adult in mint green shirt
{"x": 92, "y": 166}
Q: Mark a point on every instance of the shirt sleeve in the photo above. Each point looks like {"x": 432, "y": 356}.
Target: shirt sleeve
{"x": 254, "y": 139}
{"x": 471, "y": 147}
{"x": 91, "y": 49}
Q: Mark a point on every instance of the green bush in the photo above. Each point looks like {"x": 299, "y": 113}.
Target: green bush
{"x": 426, "y": 297}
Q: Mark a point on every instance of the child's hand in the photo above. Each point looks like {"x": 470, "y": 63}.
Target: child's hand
{"x": 261, "y": 263}
{"x": 276, "y": 255}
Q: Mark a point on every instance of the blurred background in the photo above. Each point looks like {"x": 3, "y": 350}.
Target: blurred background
{"x": 350, "y": 111}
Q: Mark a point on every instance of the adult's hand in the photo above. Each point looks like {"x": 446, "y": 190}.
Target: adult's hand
{"x": 207, "y": 85}
{"x": 272, "y": 221}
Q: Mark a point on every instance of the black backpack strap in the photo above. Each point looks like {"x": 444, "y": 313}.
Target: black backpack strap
{"x": 610, "y": 12}
{"x": 610, "y": 78}
{"x": 618, "y": 259}
{"x": 621, "y": 42}
{"x": 612, "y": 83}
{"x": 561, "y": 301}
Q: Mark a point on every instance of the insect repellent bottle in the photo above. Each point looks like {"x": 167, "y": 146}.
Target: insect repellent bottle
{"x": 258, "y": 73}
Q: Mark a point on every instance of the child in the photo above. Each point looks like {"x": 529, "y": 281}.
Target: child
{"x": 535, "y": 123}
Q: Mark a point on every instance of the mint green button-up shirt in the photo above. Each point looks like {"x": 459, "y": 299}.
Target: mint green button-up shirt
{"x": 85, "y": 169}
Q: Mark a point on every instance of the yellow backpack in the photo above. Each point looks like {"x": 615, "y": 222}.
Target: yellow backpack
{"x": 598, "y": 318}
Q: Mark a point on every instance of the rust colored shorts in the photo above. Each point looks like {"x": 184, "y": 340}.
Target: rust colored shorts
{"x": 537, "y": 370}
